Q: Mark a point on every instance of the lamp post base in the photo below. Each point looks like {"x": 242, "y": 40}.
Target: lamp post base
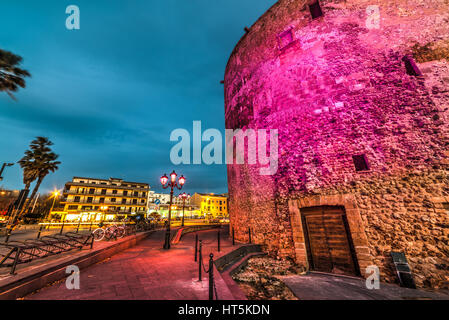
{"x": 167, "y": 240}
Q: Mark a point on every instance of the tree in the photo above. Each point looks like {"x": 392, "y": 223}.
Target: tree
{"x": 39, "y": 162}
{"x": 27, "y": 163}
{"x": 11, "y": 76}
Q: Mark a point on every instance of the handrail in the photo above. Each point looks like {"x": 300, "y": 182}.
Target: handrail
{"x": 20, "y": 252}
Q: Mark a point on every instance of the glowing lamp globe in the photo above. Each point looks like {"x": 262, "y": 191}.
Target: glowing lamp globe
{"x": 164, "y": 179}
{"x": 173, "y": 176}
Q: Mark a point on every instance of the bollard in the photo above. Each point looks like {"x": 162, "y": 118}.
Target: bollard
{"x": 211, "y": 277}
{"x": 233, "y": 237}
{"x": 218, "y": 240}
{"x": 196, "y": 247}
{"x": 90, "y": 227}
{"x": 39, "y": 233}
{"x": 78, "y": 227}
{"x": 200, "y": 260}
{"x": 249, "y": 234}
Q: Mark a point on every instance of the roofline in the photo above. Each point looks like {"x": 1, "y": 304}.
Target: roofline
{"x": 222, "y": 195}
{"x": 110, "y": 179}
{"x": 277, "y": 3}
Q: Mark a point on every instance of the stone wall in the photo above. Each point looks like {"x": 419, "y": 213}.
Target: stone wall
{"x": 339, "y": 89}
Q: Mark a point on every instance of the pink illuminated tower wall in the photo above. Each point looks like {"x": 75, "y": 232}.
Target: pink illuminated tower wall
{"x": 359, "y": 91}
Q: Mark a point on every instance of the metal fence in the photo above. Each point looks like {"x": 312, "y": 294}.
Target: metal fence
{"x": 19, "y": 252}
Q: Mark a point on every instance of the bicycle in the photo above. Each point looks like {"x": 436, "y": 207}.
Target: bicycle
{"x": 113, "y": 231}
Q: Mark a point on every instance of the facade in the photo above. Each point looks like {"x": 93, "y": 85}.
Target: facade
{"x": 190, "y": 211}
{"x": 358, "y": 93}
{"x": 162, "y": 208}
{"x": 163, "y": 197}
{"x": 214, "y": 205}
{"x": 96, "y": 199}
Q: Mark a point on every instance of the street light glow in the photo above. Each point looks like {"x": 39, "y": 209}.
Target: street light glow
{"x": 164, "y": 180}
{"x": 173, "y": 176}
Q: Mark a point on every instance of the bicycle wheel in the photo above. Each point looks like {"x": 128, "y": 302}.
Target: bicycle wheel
{"x": 98, "y": 234}
{"x": 120, "y": 232}
{"x": 109, "y": 232}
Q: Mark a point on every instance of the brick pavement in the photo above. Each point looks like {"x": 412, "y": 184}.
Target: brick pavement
{"x": 147, "y": 272}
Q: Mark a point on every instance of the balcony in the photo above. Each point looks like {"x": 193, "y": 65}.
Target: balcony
{"x": 99, "y": 194}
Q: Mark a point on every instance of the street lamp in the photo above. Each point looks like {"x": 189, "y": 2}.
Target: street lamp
{"x": 183, "y": 196}
{"x": 171, "y": 184}
{"x": 3, "y": 168}
{"x": 55, "y": 195}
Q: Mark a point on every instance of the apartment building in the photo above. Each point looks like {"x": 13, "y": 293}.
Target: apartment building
{"x": 97, "y": 199}
{"x": 164, "y": 198}
{"x": 215, "y": 205}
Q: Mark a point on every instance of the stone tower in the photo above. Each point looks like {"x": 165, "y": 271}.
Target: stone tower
{"x": 359, "y": 93}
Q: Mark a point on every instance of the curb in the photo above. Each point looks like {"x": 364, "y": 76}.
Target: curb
{"x": 32, "y": 280}
{"x": 232, "y": 262}
{"x": 183, "y": 231}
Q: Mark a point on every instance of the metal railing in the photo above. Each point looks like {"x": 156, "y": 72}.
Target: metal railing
{"x": 117, "y": 231}
{"x": 210, "y": 270}
{"x": 20, "y": 252}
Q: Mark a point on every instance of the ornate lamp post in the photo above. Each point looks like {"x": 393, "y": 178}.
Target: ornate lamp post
{"x": 171, "y": 184}
{"x": 183, "y": 196}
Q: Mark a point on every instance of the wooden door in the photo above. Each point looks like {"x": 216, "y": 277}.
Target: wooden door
{"x": 328, "y": 240}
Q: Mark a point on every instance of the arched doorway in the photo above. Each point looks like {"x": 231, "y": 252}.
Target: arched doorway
{"x": 328, "y": 240}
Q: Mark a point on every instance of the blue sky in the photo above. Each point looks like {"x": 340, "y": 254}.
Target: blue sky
{"x": 109, "y": 95}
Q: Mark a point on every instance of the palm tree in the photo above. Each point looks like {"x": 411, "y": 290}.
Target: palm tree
{"x": 38, "y": 162}
{"x": 11, "y": 76}
{"x": 27, "y": 163}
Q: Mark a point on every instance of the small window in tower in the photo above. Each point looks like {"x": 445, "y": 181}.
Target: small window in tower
{"x": 315, "y": 10}
{"x": 360, "y": 163}
{"x": 285, "y": 38}
{"x": 410, "y": 66}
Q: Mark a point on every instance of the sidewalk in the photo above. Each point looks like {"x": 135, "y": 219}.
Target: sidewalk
{"x": 147, "y": 272}
{"x": 316, "y": 286}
